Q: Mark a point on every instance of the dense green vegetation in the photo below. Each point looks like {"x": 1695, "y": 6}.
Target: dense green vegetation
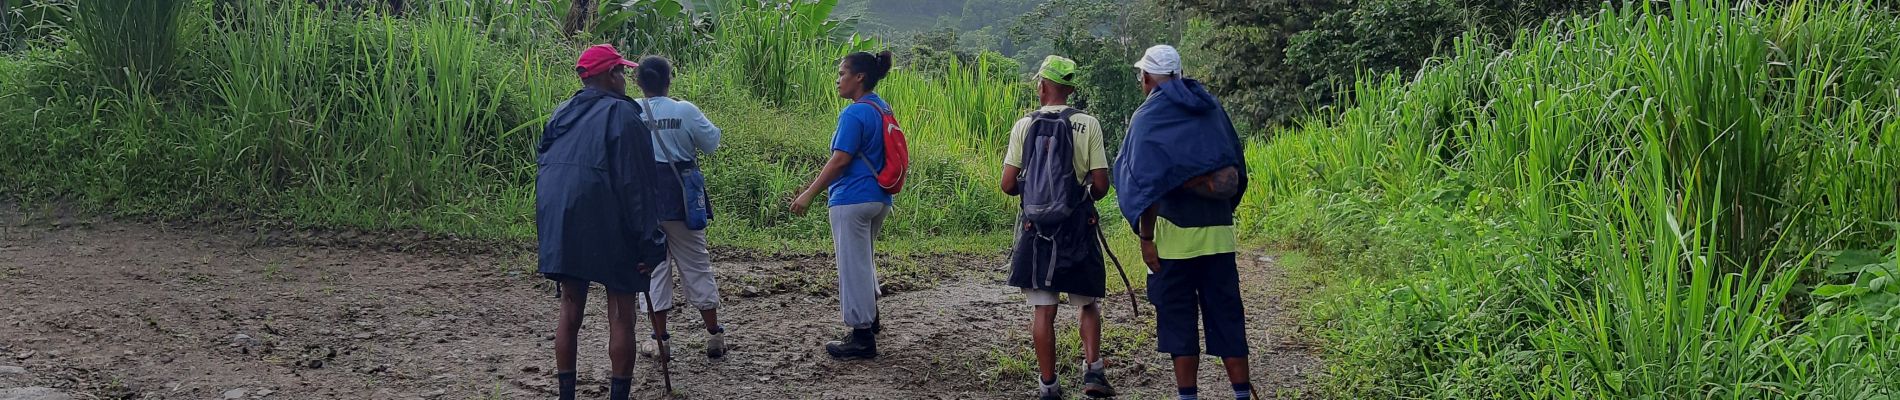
{"x": 356, "y": 118}
{"x": 1281, "y": 59}
{"x": 1690, "y": 203}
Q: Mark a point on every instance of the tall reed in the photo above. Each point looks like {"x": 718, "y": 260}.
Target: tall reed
{"x": 130, "y": 40}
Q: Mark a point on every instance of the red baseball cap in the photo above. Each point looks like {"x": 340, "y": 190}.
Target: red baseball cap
{"x": 599, "y": 59}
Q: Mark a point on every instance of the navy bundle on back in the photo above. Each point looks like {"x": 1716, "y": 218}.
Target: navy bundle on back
{"x": 1181, "y": 132}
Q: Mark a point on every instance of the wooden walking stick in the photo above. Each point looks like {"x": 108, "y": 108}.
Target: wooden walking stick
{"x": 665, "y": 359}
{"x": 1133, "y": 305}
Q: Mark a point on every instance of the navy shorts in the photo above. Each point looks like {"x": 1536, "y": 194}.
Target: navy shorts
{"x": 1205, "y": 288}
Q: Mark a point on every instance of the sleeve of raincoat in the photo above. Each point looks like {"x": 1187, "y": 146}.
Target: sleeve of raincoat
{"x": 630, "y": 164}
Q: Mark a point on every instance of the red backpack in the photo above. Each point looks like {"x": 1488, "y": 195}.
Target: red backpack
{"x": 896, "y": 153}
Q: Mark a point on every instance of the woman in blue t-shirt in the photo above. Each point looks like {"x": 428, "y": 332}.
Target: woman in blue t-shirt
{"x": 857, "y": 205}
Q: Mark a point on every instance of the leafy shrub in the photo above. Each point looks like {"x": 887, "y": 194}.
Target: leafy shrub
{"x": 1640, "y": 203}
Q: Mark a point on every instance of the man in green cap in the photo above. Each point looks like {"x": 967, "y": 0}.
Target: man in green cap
{"x": 1058, "y": 164}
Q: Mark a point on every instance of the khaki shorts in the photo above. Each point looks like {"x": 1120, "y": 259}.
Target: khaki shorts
{"x": 1039, "y": 297}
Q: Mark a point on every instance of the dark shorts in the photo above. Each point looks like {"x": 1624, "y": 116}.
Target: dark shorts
{"x": 561, "y": 278}
{"x": 1205, "y": 288}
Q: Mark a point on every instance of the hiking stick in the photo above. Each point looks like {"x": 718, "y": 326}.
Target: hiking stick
{"x": 665, "y": 359}
{"x": 1132, "y": 304}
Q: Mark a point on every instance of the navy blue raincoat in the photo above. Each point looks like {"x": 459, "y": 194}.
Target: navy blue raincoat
{"x": 1179, "y": 133}
{"x": 594, "y": 207}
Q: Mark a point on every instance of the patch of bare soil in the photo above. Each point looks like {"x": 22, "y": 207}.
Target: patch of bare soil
{"x": 99, "y": 309}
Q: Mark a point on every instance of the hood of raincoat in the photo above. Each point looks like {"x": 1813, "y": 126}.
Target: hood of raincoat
{"x": 560, "y": 123}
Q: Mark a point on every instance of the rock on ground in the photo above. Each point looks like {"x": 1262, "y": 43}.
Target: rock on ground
{"x": 33, "y": 393}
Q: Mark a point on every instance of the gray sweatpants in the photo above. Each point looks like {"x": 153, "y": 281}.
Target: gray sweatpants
{"x": 853, "y": 230}
{"x": 686, "y": 253}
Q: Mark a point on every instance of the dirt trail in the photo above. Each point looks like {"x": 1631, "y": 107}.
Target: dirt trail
{"x": 99, "y": 309}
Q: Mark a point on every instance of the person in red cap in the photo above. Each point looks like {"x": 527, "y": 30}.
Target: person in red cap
{"x": 595, "y": 219}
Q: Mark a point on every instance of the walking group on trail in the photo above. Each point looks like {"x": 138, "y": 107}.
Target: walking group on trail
{"x": 621, "y": 201}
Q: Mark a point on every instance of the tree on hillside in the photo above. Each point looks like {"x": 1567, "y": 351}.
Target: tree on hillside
{"x": 1278, "y": 59}
{"x": 1104, "y": 37}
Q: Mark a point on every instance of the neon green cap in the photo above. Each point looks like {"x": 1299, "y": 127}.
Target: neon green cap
{"x": 1058, "y": 69}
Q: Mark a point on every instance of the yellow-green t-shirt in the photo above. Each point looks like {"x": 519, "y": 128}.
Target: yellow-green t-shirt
{"x": 1090, "y": 151}
{"x": 1173, "y": 242}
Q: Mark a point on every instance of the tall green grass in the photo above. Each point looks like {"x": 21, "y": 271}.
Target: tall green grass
{"x": 1634, "y": 204}
{"x": 427, "y": 120}
{"x": 130, "y": 42}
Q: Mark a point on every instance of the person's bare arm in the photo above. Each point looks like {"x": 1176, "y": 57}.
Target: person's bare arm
{"x": 1008, "y": 185}
{"x": 1098, "y": 184}
{"x": 834, "y": 168}
{"x": 1145, "y": 228}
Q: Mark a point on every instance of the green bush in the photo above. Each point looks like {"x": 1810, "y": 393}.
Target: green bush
{"x": 1641, "y": 203}
{"x": 291, "y": 111}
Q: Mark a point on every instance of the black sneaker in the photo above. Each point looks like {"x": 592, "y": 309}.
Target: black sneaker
{"x": 859, "y": 344}
{"x": 1095, "y": 385}
{"x": 1051, "y": 392}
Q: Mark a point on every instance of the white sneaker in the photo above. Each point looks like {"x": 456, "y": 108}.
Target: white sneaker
{"x": 652, "y": 348}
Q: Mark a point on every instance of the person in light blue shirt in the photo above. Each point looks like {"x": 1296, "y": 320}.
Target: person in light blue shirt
{"x": 858, "y": 205}
{"x": 681, "y": 133}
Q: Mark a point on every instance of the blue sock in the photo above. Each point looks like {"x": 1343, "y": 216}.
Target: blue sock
{"x": 1243, "y": 391}
{"x": 566, "y": 382}
{"x": 619, "y": 388}
{"x": 1189, "y": 393}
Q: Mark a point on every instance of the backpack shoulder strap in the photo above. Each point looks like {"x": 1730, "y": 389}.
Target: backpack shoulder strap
{"x": 1070, "y": 112}
{"x": 881, "y": 111}
{"x": 881, "y": 128}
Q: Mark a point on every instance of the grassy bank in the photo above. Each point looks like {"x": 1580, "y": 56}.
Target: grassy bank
{"x": 428, "y": 121}
{"x": 1690, "y": 202}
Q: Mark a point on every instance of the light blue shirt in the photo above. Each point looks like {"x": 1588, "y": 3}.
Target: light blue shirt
{"x": 680, "y": 132}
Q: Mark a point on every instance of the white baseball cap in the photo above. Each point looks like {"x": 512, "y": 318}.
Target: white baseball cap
{"x": 1160, "y": 60}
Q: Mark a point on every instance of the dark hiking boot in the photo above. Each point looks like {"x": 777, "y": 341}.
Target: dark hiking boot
{"x": 1049, "y": 392}
{"x": 877, "y": 326}
{"x": 716, "y": 345}
{"x": 859, "y": 344}
{"x": 1095, "y": 384}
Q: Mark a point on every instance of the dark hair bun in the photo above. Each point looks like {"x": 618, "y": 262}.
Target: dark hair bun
{"x": 884, "y": 61}
{"x": 874, "y": 66}
{"x": 655, "y": 75}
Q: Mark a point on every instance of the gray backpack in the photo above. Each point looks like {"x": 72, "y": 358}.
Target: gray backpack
{"x": 1050, "y": 192}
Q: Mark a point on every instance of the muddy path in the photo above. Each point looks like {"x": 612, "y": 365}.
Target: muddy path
{"x": 92, "y": 308}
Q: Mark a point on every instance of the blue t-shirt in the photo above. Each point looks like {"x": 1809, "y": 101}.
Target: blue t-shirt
{"x": 860, "y": 134}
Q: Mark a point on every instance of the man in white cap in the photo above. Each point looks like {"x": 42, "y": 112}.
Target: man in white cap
{"x": 1179, "y": 176}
